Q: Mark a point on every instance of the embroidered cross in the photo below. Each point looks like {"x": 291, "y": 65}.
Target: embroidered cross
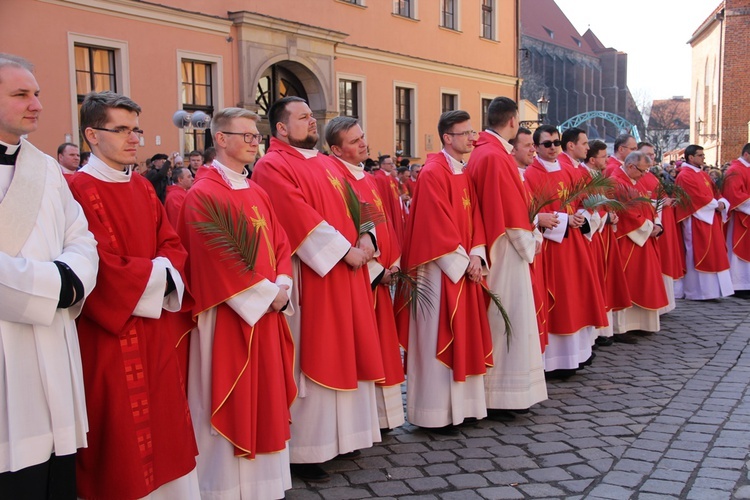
{"x": 259, "y": 223}
{"x": 378, "y": 201}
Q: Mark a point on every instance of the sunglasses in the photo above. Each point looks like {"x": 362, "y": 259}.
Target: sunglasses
{"x": 549, "y": 144}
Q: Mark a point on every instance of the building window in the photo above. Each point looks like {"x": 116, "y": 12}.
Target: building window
{"x": 353, "y": 2}
{"x": 404, "y": 120}
{"x": 488, "y": 19}
{"x": 485, "y": 108}
{"x": 95, "y": 72}
{"x": 448, "y": 14}
{"x": 450, "y": 102}
{"x": 404, "y": 8}
{"x": 197, "y": 95}
{"x": 349, "y": 98}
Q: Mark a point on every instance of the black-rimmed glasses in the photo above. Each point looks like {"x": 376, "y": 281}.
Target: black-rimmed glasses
{"x": 246, "y": 136}
{"x": 123, "y": 131}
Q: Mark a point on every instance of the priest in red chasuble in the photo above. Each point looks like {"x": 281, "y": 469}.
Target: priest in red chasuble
{"x": 387, "y": 184}
{"x": 241, "y": 381}
{"x": 182, "y": 180}
{"x": 624, "y": 145}
{"x": 337, "y": 345}
{"x": 707, "y": 264}
{"x": 448, "y": 342}
{"x": 516, "y": 381}
{"x": 349, "y": 149}
{"x": 576, "y": 307}
{"x": 737, "y": 192}
{"x": 141, "y": 439}
{"x": 636, "y": 236}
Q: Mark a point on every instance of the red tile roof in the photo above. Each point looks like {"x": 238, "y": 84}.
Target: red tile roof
{"x": 670, "y": 114}
{"x": 545, "y": 21}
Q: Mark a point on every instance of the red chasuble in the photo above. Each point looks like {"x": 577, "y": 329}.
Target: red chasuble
{"x": 612, "y": 164}
{"x": 641, "y": 264}
{"x": 338, "y": 329}
{"x": 140, "y": 436}
{"x": 388, "y": 187}
{"x": 444, "y": 216}
{"x": 709, "y": 243}
{"x": 252, "y": 379}
{"x": 669, "y": 244}
{"x": 389, "y": 255}
{"x": 173, "y": 203}
{"x": 575, "y": 295}
{"x": 737, "y": 191}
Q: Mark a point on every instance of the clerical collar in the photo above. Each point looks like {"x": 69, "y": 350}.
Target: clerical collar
{"x": 686, "y": 164}
{"x": 97, "y": 169}
{"x": 572, "y": 160}
{"x": 632, "y": 181}
{"x": 508, "y": 146}
{"x": 358, "y": 171}
{"x": 235, "y": 180}
{"x": 9, "y": 149}
{"x": 307, "y": 153}
{"x": 591, "y": 170}
{"x": 742, "y": 160}
{"x": 456, "y": 166}
{"x": 550, "y": 166}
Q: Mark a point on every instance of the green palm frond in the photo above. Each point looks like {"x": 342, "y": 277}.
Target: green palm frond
{"x": 237, "y": 239}
{"x": 413, "y": 290}
{"x": 628, "y": 197}
{"x": 540, "y": 198}
{"x": 670, "y": 190}
{"x": 364, "y": 215}
{"x": 585, "y": 186}
{"x": 506, "y": 319}
{"x": 596, "y": 201}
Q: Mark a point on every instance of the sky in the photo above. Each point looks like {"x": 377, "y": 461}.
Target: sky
{"x": 654, "y": 34}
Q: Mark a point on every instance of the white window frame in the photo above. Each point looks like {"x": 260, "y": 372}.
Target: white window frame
{"x": 217, "y": 75}
{"x": 361, "y": 100}
{"x": 414, "y": 10}
{"x": 456, "y": 15}
{"x": 122, "y": 70}
{"x": 455, "y": 92}
{"x": 495, "y": 10}
{"x": 481, "y": 98}
{"x": 415, "y": 153}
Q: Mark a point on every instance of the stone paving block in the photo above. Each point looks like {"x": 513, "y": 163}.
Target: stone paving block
{"x": 743, "y": 493}
{"x": 301, "y": 494}
{"x": 516, "y": 463}
{"x": 708, "y": 494}
{"x": 576, "y": 485}
{"x": 344, "y": 493}
{"x": 723, "y": 463}
{"x": 506, "y": 451}
{"x": 692, "y": 456}
{"x": 653, "y": 496}
{"x": 515, "y": 439}
{"x": 714, "y": 484}
{"x": 675, "y": 464}
{"x": 442, "y": 469}
{"x": 390, "y": 489}
{"x": 557, "y": 459}
{"x": 602, "y": 465}
{"x": 427, "y": 483}
{"x": 689, "y": 445}
{"x": 610, "y": 491}
{"x": 731, "y": 475}
{"x": 621, "y": 478}
{"x": 500, "y": 493}
{"x": 376, "y": 462}
{"x": 614, "y": 430}
{"x": 548, "y": 474}
{"x": 593, "y": 454}
{"x": 638, "y": 454}
{"x": 662, "y": 487}
{"x": 366, "y": 476}
{"x": 541, "y": 490}
{"x": 464, "y": 481}
{"x": 404, "y": 472}
{"x": 476, "y": 465}
{"x": 419, "y": 497}
{"x": 461, "y": 495}
{"x": 407, "y": 459}
{"x": 586, "y": 442}
{"x": 473, "y": 453}
{"x": 670, "y": 475}
{"x": 583, "y": 470}
{"x": 650, "y": 444}
{"x": 435, "y": 457}
{"x": 634, "y": 466}
{"x": 409, "y": 448}
{"x": 484, "y": 442}
{"x": 506, "y": 478}
{"x": 547, "y": 448}
{"x": 444, "y": 445}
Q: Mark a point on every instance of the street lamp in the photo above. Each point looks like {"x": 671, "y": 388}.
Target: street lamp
{"x": 542, "y": 106}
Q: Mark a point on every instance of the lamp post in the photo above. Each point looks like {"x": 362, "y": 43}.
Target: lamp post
{"x": 197, "y": 120}
{"x": 542, "y": 106}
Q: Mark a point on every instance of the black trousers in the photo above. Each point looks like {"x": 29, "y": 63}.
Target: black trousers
{"x": 54, "y": 479}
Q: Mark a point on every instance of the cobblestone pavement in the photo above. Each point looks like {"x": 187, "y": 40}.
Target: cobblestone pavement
{"x": 666, "y": 418}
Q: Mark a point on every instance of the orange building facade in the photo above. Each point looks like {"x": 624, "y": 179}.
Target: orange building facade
{"x": 394, "y": 65}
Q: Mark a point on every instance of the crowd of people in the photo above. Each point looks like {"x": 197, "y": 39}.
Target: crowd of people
{"x": 207, "y": 330}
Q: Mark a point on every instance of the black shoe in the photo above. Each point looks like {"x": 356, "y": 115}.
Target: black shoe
{"x": 559, "y": 374}
{"x": 588, "y": 361}
{"x": 469, "y": 422}
{"x": 385, "y": 430}
{"x": 625, "y": 338}
{"x": 521, "y": 412}
{"x": 448, "y": 430}
{"x": 640, "y": 333}
{"x": 349, "y": 456}
{"x": 604, "y": 341}
{"x": 312, "y": 473}
{"x": 500, "y": 415}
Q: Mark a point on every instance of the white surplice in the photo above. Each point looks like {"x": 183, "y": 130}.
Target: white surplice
{"x": 42, "y": 405}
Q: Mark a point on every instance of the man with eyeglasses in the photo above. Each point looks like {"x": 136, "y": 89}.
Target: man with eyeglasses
{"x": 335, "y": 330}
{"x": 141, "y": 440}
{"x": 577, "y": 305}
{"x": 241, "y": 380}
{"x": 48, "y": 266}
{"x": 449, "y": 345}
{"x": 637, "y": 230}
{"x": 516, "y": 381}
{"x": 707, "y": 263}
{"x": 624, "y": 145}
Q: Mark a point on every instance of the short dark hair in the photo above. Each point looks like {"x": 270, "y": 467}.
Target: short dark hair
{"x": 571, "y": 135}
{"x": 500, "y": 111}
{"x": 644, "y": 144}
{"x": 404, "y": 162}
{"x": 96, "y": 106}
{"x": 521, "y": 130}
{"x": 401, "y": 170}
{"x": 621, "y": 139}
{"x": 594, "y": 147}
{"x": 746, "y": 149}
{"x": 382, "y": 158}
{"x": 195, "y": 153}
{"x": 61, "y": 147}
{"x": 278, "y": 112}
{"x": 209, "y": 155}
{"x": 692, "y": 150}
{"x": 337, "y": 126}
{"x": 177, "y": 174}
{"x": 550, "y": 129}
{"x": 449, "y": 119}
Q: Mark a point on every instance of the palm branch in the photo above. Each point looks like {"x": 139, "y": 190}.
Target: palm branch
{"x": 670, "y": 190}
{"x": 506, "y": 319}
{"x": 237, "y": 239}
{"x": 364, "y": 215}
{"x": 540, "y": 198}
{"x": 585, "y": 186}
{"x": 628, "y": 197}
{"x": 413, "y": 290}
{"x": 720, "y": 181}
{"x": 595, "y": 201}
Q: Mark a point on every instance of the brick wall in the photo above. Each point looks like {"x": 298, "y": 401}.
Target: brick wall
{"x": 735, "y": 105}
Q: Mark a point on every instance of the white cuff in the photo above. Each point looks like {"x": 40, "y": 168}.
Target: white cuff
{"x": 254, "y": 302}
{"x": 557, "y": 234}
{"x": 153, "y": 300}
{"x": 706, "y": 214}
{"x": 323, "y": 248}
{"x": 374, "y": 267}
{"x": 524, "y": 242}
{"x": 454, "y": 264}
{"x": 640, "y": 236}
{"x": 744, "y": 207}
{"x": 725, "y": 212}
